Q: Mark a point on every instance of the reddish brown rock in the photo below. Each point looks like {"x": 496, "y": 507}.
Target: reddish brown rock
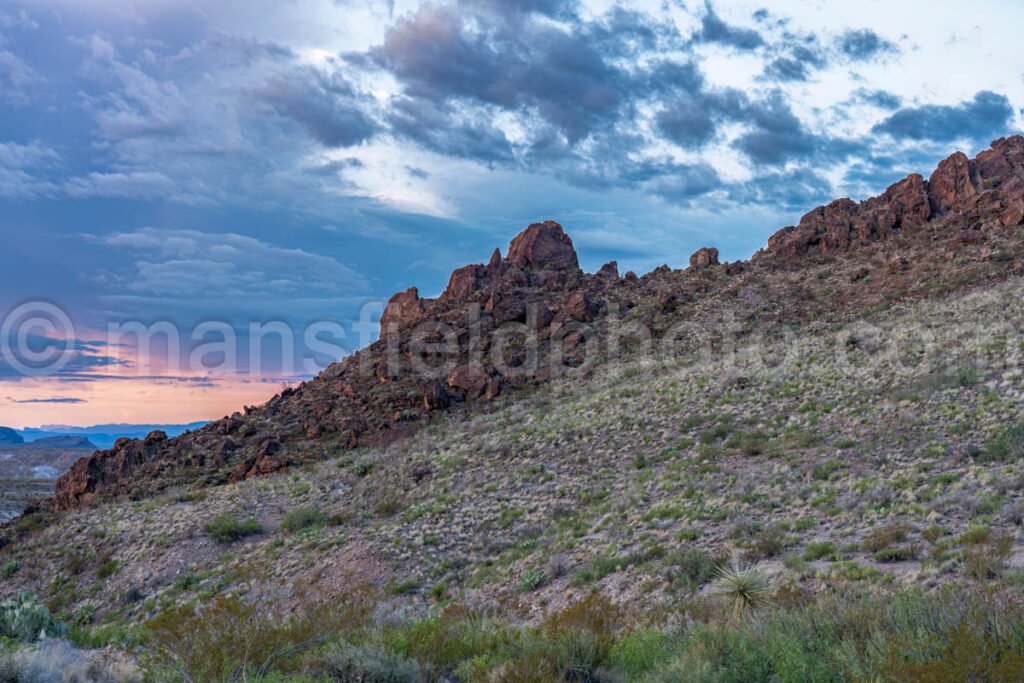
{"x": 543, "y": 246}
{"x": 580, "y": 307}
{"x": 493, "y": 389}
{"x": 838, "y": 226}
{"x": 464, "y": 283}
{"x": 704, "y": 257}
{"x": 496, "y": 266}
{"x": 471, "y": 378}
{"x": 435, "y": 396}
{"x": 950, "y": 186}
{"x": 82, "y": 482}
{"x": 969, "y": 237}
{"x": 609, "y": 272}
{"x": 403, "y": 309}
{"x": 505, "y": 307}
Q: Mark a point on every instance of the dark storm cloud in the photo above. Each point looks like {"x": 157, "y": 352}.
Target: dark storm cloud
{"x": 326, "y": 107}
{"x": 448, "y": 130}
{"x": 714, "y": 30}
{"x": 986, "y": 116}
{"x": 566, "y": 77}
{"x": 778, "y": 135}
{"x": 691, "y": 119}
{"x": 864, "y": 44}
{"x": 800, "y": 188}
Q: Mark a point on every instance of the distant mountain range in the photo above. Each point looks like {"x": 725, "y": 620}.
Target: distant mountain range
{"x": 100, "y": 436}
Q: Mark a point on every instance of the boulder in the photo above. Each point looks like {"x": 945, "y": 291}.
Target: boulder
{"x": 465, "y": 282}
{"x": 580, "y": 307}
{"x": 543, "y": 246}
{"x": 505, "y": 306}
{"x": 471, "y": 378}
{"x": 950, "y": 186}
{"x": 704, "y": 257}
{"x": 609, "y": 272}
{"x": 403, "y": 309}
{"x": 435, "y": 396}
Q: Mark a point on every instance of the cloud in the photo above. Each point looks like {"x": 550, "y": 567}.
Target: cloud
{"x": 986, "y": 116}
{"x": 189, "y": 264}
{"x": 326, "y": 106}
{"x": 797, "y": 65}
{"x": 135, "y": 185}
{"x": 714, "y": 30}
{"x": 883, "y": 99}
{"x": 864, "y": 44}
{"x": 59, "y": 400}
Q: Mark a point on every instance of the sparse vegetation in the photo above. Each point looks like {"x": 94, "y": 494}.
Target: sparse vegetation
{"x": 227, "y": 528}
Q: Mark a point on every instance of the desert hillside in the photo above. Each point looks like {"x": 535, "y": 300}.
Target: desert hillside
{"x": 665, "y": 477}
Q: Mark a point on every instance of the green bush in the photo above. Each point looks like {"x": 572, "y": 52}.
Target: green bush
{"x": 303, "y": 518}
{"x": 9, "y": 569}
{"x": 1007, "y": 445}
{"x": 227, "y": 528}
{"x": 533, "y": 579}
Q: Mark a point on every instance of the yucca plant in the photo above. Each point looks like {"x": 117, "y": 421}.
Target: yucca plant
{"x": 745, "y": 586}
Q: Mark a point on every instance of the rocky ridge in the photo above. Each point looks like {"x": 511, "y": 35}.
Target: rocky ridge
{"x": 919, "y": 238}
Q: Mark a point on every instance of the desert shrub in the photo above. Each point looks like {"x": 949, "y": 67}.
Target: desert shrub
{"x": 533, "y": 579}
{"x": 230, "y": 639}
{"x": 227, "y": 528}
{"x": 442, "y": 643}
{"x": 988, "y": 559}
{"x": 821, "y": 550}
{"x": 1005, "y": 446}
{"x": 9, "y": 569}
{"x": 884, "y": 537}
{"x": 25, "y": 619}
{"x": 767, "y": 543}
{"x": 823, "y": 471}
{"x": 51, "y": 661}
{"x": 894, "y": 554}
{"x": 694, "y": 567}
{"x": 370, "y": 663}
{"x": 303, "y": 518}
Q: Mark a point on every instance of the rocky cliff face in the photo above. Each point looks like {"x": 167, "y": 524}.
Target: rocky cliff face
{"x": 520, "y": 320}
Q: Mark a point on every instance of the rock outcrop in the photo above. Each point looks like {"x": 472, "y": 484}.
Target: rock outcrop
{"x": 543, "y": 246}
{"x": 961, "y": 191}
{"x": 90, "y": 476}
{"x": 703, "y": 258}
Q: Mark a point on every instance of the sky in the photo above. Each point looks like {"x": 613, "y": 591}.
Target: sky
{"x": 247, "y": 181}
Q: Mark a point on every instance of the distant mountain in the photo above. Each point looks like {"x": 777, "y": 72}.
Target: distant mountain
{"x": 66, "y": 441}
{"x": 102, "y": 436}
{"x": 9, "y": 437}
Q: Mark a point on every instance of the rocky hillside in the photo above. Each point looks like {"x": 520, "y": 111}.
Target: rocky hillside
{"x": 531, "y": 316}
{"x": 541, "y": 451}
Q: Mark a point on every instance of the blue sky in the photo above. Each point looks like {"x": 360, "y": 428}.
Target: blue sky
{"x": 256, "y": 160}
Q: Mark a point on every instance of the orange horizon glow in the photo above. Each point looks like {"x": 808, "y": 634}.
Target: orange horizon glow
{"x": 111, "y": 400}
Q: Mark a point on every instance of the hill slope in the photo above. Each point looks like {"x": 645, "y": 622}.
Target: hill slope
{"x": 844, "y": 411}
{"x": 523, "y": 319}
